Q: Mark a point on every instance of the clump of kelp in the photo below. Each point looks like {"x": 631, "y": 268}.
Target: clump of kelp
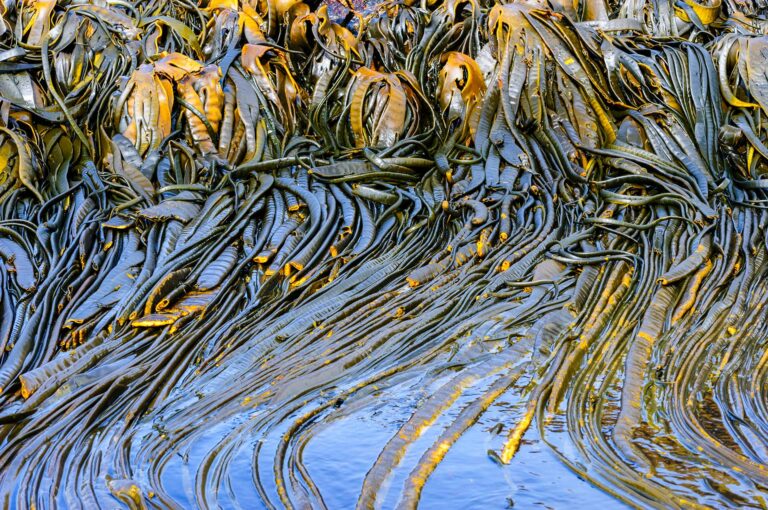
{"x": 243, "y": 220}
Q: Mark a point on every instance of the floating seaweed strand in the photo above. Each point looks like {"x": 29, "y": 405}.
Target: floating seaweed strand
{"x": 227, "y": 228}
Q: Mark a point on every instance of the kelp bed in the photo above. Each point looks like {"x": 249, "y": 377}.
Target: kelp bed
{"x": 228, "y": 229}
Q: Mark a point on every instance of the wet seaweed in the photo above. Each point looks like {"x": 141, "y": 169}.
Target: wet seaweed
{"x": 227, "y": 226}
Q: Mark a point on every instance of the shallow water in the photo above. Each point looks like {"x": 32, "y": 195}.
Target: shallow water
{"x": 339, "y": 456}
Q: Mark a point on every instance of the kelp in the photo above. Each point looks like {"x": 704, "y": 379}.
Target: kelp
{"x": 230, "y": 226}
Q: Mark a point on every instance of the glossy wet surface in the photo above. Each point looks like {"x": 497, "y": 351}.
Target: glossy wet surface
{"x": 437, "y": 254}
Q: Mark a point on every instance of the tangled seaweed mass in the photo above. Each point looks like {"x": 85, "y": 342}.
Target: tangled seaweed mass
{"x": 232, "y": 231}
